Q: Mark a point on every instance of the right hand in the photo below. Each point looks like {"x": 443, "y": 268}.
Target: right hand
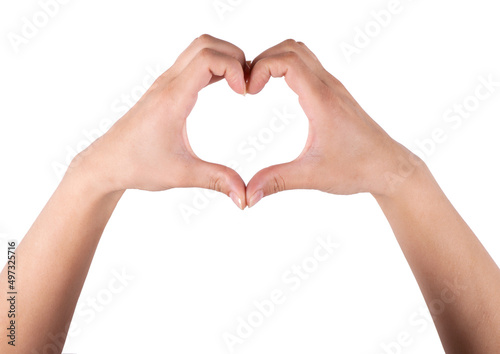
{"x": 346, "y": 151}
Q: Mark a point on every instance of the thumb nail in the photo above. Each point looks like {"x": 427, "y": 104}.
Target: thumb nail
{"x": 255, "y": 198}
{"x": 236, "y": 200}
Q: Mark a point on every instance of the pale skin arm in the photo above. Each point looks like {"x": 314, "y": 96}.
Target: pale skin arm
{"x": 458, "y": 278}
{"x": 346, "y": 153}
{"x": 146, "y": 149}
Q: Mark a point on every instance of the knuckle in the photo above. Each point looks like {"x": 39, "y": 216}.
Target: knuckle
{"x": 278, "y": 183}
{"x": 290, "y": 43}
{"x": 216, "y": 182}
{"x": 205, "y": 53}
{"x": 204, "y": 38}
{"x": 291, "y": 57}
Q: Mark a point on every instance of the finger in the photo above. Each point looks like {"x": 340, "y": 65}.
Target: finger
{"x": 301, "y": 79}
{"x": 219, "y": 178}
{"x": 277, "y": 178}
{"x": 207, "y": 41}
{"x": 246, "y": 71}
{"x": 204, "y": 67}
{"x": 291, "y": 45}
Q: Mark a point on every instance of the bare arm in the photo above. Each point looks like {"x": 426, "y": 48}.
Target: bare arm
{"x": 146, "y": 149}
{"x": 458, "y": 278}
{"x": 346, "y": 153}
{"x": 53, "y": 261}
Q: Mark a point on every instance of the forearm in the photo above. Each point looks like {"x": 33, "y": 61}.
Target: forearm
{"x": 459, "y": 280}
{"x": 54, "y": 258}
{"x": 146, "y": 149}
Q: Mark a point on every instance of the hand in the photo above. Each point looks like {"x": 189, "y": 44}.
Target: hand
{"x": 346, "y": 151}
{"x": 148, "y": 147}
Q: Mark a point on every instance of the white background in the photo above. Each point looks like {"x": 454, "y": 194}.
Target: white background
{"x": 193, "y": 277}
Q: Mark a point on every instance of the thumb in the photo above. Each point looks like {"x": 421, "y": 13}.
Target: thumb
{"x": 221, "y": 179}
{"x": 277, "y": 178}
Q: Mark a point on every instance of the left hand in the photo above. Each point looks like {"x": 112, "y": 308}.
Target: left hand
{"x": 148, "y": 147}
{"x": 346, "y": 151}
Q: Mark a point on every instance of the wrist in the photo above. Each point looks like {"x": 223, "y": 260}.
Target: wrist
{"x": 404, "y": 170}
{"x": 90, "y": 175}
{"x": 405, "y": 180}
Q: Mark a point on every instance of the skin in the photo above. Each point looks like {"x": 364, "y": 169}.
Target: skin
{"x": 146, "y": 149}
{"x": 346, "y": 153}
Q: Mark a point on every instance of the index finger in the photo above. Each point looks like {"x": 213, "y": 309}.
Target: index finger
{"x": 207, "y": 41}
{"x": 299, "y": 77}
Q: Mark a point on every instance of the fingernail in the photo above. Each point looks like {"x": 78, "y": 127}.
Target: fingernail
{"x": 236, "y": 200}
{"x": 255, "y": 198}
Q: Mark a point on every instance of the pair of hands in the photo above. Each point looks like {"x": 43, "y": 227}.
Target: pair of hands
{"x": 346, "y": 151}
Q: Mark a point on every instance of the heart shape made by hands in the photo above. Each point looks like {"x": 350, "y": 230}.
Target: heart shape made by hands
{"x": 266, "y": 129}
{"x": 345, "y": 152}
